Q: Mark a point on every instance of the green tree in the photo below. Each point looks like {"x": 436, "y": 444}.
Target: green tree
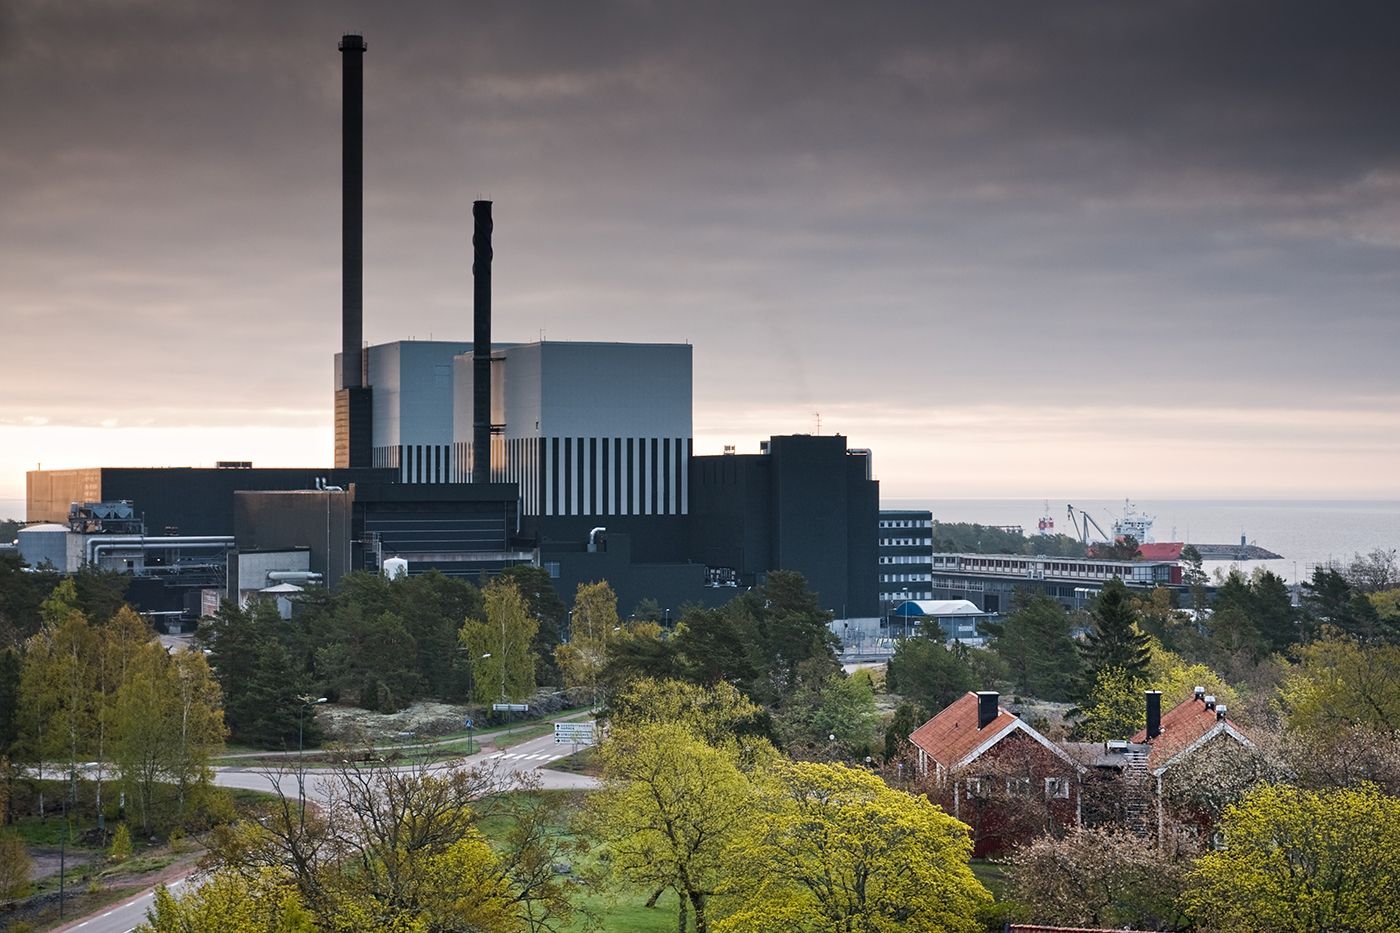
{"x": 145, "y": 714}
{"x": 199, "y": 718}
{"x": 548, "y": 610}
{"x": 715, "y": 715}
{"x": 1296, "y": 861}
{"x": 400, "y": 632}
{"x": 922, "y": 671}
{"x": 966, "y": 538}
{"x": 22, "y": 592}
{"x": 641, "y": 650}
{"x": 231, "y": 903}
{"x": 1114, "y": 708}
{"x": 593, "y": 627}
{"x": 1114, "y": 639}
{"x": 833, "y": 848}
{"x": 1329, "y": 600}
{"x": 505, "y": 630}
{"x": 1340, "y": 682}
{"x": 670, "y": 808}
{"x": 907, "y": 717}
{"x": 712, "y": 647}
{"x": 648, "y": 610}
{"x": 375, "y": 651}
{"x": 10, "y": 667}
{"x": 787, "y": 627}
{"x": 841, "y": 706}
{"x": 1275, "y": 616}
{"x": 1193, "y": 574}
{"x": 1034, "y": 641}
{"x": 16, "y": 867}
{"x": 1124, "y": 548}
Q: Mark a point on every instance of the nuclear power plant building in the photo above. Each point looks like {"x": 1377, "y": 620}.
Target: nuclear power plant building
{"x": 573, "y": 456}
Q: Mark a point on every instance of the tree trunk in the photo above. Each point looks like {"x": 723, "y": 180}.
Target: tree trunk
{"x": 697, "y": 900}
{"x": 681, "y": 918}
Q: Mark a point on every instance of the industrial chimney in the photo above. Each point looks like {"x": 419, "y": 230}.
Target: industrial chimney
{"x": 481, "y": 342}
{"x": 1154, "y": 714}
{"x": 353, "y": 425}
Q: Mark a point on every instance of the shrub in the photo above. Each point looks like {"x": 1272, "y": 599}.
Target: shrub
{"x": 120, "y": 849}
{"x": 16, "y": 867}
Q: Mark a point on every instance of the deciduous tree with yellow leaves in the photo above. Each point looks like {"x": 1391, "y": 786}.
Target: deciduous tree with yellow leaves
{"x": 831, "y": 848}
{"x": 1297, "y": 861}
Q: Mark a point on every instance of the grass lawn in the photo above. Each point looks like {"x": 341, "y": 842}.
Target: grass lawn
{"x": 584, "y": 761}
{"x": 621, "y": 910}
{"x": 626, "y": 912}
{"x": 993, "y": 877}
{"x": 522, "y": 734}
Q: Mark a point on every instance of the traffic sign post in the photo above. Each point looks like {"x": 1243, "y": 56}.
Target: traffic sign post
{"x": 573, "y": 733}
{"x": 470, "y": 724}
{"x": 510, "y": 708}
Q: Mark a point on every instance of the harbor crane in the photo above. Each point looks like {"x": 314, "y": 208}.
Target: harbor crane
{"x": 1083, "y": 527}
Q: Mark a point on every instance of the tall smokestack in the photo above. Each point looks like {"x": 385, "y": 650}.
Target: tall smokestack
{"x": 481, "y": 345}
{"x": 354, "y": 442}
{"x": 352, "y": 221}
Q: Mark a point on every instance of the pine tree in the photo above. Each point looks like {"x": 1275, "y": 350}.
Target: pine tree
{"x": 1114, "y": 639}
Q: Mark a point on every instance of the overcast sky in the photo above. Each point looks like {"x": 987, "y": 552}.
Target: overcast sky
{"x": 1039, "y": 249}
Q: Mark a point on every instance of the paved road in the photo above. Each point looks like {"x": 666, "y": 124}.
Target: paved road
{"x": 526, "y": 757}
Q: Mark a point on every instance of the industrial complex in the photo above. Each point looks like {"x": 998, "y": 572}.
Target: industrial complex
{"x": 472, "y": 456}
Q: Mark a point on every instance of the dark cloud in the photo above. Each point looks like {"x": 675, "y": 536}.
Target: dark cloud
{"x": 1036, "y": 201}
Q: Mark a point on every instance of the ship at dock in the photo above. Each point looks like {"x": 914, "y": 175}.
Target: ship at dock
{"x": 1139, "y": 526}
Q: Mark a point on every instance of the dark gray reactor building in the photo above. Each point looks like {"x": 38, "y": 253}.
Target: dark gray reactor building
{"x": 574, "y": 456}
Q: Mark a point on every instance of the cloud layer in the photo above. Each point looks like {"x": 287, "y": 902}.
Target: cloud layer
{"x": 939, "y": 224}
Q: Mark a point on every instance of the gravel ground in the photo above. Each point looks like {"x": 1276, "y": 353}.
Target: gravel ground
{"x": 427, "y": 719}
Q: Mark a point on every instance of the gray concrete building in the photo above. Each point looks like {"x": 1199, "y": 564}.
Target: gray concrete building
{"x": 585, "y": 429}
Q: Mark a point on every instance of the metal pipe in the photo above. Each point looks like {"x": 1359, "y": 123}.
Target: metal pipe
{"x": 146, "y": 543}
{"x": 293, "y": 575}
{"x": 481, "y": 345}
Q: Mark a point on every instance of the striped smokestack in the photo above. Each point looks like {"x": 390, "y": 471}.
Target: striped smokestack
{"x": 481, "y": 345}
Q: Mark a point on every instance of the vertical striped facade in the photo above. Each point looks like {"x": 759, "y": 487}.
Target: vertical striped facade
{"x": 418, "y": 463}
{"x": 591, "y": 475}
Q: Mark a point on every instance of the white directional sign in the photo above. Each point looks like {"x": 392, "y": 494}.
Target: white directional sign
{"x": 510, "y": 707}
{"x": 573, "y": 733}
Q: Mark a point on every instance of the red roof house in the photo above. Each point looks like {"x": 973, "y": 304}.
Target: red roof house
{"x": 996, "y": 773}
{"x": 1174, "y": 736}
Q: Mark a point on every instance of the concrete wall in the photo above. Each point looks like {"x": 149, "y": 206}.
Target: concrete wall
{"x": 283, "y": 521}
{"x": 50, "y": 493}
{"x": 254, "y": 566}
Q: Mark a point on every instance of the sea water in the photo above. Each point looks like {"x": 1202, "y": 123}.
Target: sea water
{"x": 1307, "y": 532}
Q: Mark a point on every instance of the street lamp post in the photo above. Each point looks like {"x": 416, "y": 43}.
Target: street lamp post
{"x": 306, "y": 701}
{"x": 471, "y": 692}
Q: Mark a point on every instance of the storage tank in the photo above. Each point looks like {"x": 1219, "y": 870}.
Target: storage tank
{"x": 395, "y": 567}
{"x": 49, "y": 542}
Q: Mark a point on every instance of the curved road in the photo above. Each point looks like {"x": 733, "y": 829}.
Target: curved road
{"x": 527, "y": 756}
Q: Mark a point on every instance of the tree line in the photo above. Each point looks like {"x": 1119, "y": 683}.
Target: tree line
{"x": 695, "y": 804}
{"x": 95, "y": 710}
